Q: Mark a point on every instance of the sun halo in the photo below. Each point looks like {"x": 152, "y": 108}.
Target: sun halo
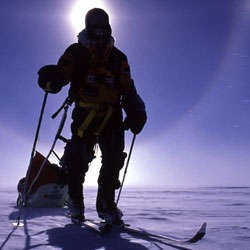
{"x": 80, "y": 9}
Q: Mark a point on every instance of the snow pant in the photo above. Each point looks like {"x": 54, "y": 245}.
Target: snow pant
{"x": 79, "y": 152}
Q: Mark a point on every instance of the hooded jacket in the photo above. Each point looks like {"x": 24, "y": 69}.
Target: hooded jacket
{"x": 96, "y": 76}
{"x": 99, "y": 78}
{"x": 100, "y": 86}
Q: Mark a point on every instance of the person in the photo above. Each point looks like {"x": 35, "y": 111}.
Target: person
{"x": 101, "y": 87}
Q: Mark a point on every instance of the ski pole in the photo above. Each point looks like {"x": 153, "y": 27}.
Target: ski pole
{"x": 34, "y": 147}
{"x": 126, "y": 168}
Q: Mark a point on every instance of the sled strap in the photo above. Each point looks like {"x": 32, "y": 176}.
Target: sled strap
{"x": 68, "y": 101}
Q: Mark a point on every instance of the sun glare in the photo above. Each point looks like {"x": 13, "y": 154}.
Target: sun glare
{"x": 79, "y": 10}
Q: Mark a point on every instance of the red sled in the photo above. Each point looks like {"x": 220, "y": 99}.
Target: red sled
{"x": 50, "y": 188}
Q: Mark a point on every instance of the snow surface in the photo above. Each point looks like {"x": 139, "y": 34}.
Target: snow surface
{"x": 172, "y": 211}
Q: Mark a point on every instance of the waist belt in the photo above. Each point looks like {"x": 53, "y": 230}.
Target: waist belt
{"x": 94, "y": 109}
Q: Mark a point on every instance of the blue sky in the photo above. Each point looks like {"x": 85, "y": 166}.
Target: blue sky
{"x": 190, "y": 63}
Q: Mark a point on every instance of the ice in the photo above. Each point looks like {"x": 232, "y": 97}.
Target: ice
{"x": 169, "y": 211}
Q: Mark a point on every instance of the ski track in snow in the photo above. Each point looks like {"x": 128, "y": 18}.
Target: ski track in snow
{"x": 171, "y": 212}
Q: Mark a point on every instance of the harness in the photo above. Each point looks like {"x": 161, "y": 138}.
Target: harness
{"x": 98, "y": 91}
{"x": 94, "y": 108}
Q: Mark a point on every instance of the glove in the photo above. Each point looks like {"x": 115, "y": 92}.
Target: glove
{"x": 50, "y": 79}
{"x": 135, "y": 123}
{"x": 50, "y": 87}
{"x": 135, "y": 110}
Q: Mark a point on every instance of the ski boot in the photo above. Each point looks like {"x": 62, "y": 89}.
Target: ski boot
{"x": 112, "y": 216}
{"x": 106, "y": 207}
{"x": 76, "y": 211}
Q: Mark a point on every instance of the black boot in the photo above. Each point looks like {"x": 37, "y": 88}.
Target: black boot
{"x": 106, "y": 206}
{"x": 76, "y": 210}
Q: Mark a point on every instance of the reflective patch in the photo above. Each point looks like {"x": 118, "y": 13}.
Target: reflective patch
{"x": 109, "y": 81}
{"x": 92, "y": 79}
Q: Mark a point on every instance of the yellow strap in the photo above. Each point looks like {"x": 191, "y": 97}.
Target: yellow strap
{"x": 106, "y": 118}
{"x": 86, "y": 122}
{"x": 93, "y": 110}
{"x": 89, "y": 105}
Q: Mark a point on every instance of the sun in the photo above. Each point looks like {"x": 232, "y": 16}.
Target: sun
{"x": 79, "y": 10}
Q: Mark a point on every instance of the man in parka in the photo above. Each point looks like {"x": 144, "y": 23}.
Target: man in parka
{"x": 100, "y": 85}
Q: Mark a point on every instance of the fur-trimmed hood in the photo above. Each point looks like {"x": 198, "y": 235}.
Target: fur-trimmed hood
{"x": 86, "y": 42}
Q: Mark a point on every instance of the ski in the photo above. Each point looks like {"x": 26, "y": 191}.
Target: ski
{"x": 144, "y": 233}
{"x": 100, "y": 227}
{"x": 196, "y": 237}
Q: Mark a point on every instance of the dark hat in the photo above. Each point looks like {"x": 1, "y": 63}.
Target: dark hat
{"x": 97, "y": 24}
{"x": 96, "y": 18}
